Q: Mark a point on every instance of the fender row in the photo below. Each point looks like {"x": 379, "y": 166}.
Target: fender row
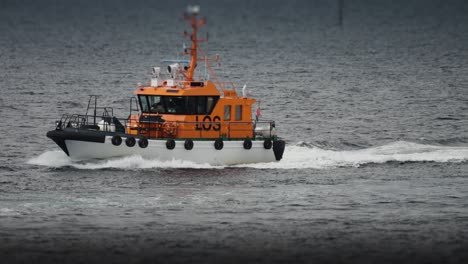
{"x": 188, "y": 144}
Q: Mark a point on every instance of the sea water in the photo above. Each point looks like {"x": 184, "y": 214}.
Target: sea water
{"x": 373, "y": 110}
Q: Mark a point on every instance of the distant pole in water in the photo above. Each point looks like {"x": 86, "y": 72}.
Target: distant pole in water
{"x": 340, "y": 12}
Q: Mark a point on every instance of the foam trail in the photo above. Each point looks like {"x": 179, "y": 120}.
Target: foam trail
{"x": 138, "y": 162}
{"x": 295, "y": 157}
{"x": 57, "y": 159}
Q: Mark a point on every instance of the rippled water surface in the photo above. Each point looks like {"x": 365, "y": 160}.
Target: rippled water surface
{"x": 374, "y": 113}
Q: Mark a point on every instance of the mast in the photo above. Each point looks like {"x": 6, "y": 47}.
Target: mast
{"x": 191, "y": 17}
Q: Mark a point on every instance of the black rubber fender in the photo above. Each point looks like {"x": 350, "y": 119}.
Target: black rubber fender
{"x": 143, "y": 142}
{"x": 130, "y": 141}
{"x": 247, "y": 143}
{"x": 219, "y": 144}
{"x": 170, "y": 144}
{"x": 278, "y": 149}
{"x": 267, "y": 144}
{"x": 116, "y": 140}
{"x": 188, "y": 144}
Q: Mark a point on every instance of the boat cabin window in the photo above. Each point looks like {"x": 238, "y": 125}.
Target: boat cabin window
{"x": 227, "y": 112}
{"x": 200, "y": 105}
{"x": 210, "y": 102}
{"x": 156, "y": 104}
{"x": 144, "y": 104}
{"x": 238, "y": 112}
{"x": 181, "y": 105}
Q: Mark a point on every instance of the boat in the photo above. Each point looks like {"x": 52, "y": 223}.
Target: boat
{"x": 176, "y": 117}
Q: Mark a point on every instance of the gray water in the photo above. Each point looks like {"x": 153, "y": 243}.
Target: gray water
{"x": 374, "y": 113}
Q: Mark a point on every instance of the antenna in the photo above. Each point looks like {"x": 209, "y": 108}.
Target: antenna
{"x": 206, "y": 66}
{"x": 191, "y": 17}
{"x": 244, "y": 90}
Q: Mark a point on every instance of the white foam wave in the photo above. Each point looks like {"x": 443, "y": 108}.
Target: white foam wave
{"x": 57, "y": 159}
{"x": 53, "y": 159}
{"x": 295, "y": 157}
{"x": 8, "y": 212}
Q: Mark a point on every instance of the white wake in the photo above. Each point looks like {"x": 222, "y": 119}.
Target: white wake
{"x": 295, "y": 157}
{"x": 57, "y": 159}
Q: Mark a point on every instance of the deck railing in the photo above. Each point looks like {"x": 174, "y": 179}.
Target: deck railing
{"x": 168, "y": 129}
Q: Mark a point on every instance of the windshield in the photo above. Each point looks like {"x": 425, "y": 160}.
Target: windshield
{"x": 181, "y": 105}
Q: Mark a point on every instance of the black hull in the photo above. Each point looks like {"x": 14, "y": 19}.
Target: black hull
{"x": 59, "y": 136}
